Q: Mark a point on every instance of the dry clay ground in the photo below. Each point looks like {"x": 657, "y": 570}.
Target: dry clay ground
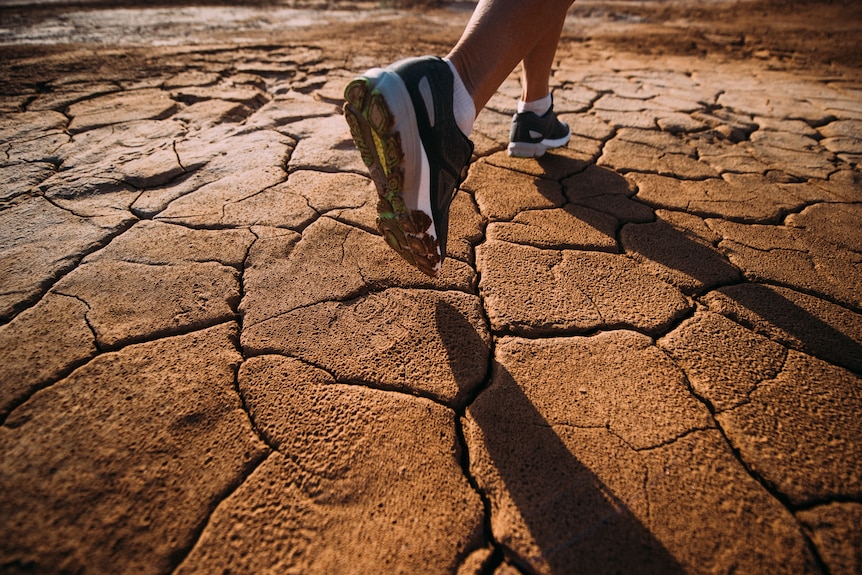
{"x": 642, "y": 355}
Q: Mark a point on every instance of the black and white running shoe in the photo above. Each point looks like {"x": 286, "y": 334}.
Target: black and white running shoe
{"x": 402, "y": 121}
{"x": 532, "y": 135}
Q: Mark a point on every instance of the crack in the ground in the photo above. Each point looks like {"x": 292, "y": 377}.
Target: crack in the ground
{"x": 770, "y": 282}
{"x": 534, "y": 334}
{"x": 405, "y": 390}
{"x": 178, "y": 556}
{"x": 48, "y": 283}
{"x": 177, "y": 154}
{"x": 488, "y": 535}
{"x": 782, "y": 499}
{"x": 499, "y": 552}
{"x": 87, "y": 322}
{"x": 104, "y": 350}
{"x": 59, "y": 375}
{"x": 667, "y": 442}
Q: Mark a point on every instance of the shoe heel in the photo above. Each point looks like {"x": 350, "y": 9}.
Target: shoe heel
{"x": 371, "y": 124}
{"x": 526, "y": 150}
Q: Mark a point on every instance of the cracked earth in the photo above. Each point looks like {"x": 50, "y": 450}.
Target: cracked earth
{"x": 641, "y": 356}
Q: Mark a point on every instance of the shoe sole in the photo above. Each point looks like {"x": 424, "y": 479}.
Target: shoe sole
{"x": 537, "y": 150}
{"x": 372, "y": 125}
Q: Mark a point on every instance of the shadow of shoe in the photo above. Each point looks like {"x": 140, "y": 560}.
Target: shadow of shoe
{"x": 550, "y": 511}
{"x": 804, "y": 323}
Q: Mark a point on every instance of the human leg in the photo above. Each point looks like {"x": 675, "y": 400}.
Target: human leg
{"x": 403, "y": 119}
{"x": 536, "y": 65}
{"x": 535, "y": 127}
{"x": 502, "y": 33}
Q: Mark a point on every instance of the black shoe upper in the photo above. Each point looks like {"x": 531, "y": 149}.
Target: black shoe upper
{"x": 448, "y": 149}
{"x": 531, "y": 128}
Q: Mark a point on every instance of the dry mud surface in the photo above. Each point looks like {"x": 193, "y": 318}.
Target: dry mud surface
{"x": 641, "y": 356}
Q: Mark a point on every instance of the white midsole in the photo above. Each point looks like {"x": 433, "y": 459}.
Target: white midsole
{"x": 416, "y": 189}
{"x": 558, "y": 142}
{"x": 530, "y": 150}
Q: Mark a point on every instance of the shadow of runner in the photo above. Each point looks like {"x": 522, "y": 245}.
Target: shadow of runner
{"x": 691, "y": 264}
{"x": 550, "y": 511}
{"x": 767, "y": 311}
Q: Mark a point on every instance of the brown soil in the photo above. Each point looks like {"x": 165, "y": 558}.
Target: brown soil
{"x": 792, "y": 34}
{"x": 820, "y": 36}
{"x": 796, "y": 33}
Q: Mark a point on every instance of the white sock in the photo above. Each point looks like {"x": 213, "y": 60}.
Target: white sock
{"x": 462, "y": 103}
{"x": 539, "y": 107}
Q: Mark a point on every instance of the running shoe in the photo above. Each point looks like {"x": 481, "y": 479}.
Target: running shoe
{"x": 402, "y": 121}
{"x": 532, "y": 134}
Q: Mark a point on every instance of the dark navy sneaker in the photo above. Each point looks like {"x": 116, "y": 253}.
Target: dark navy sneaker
{"x": 532, "y": 134}
{"x": 402, "y": 121}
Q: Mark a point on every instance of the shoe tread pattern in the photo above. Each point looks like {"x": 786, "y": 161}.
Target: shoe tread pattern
{"x": 372, "y": 126}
